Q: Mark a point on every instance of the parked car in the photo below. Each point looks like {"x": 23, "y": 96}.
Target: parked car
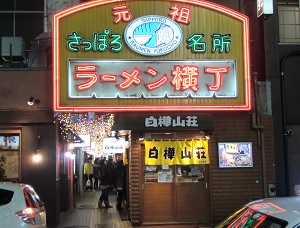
{"x": 20, "y": 206}
{"x": 269, "y": 212}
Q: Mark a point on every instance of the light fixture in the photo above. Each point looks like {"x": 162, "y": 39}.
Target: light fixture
{"x": 33, "y": 101}
{"x": 71, "y": 146}
{"x": 141, "y": 136}
{"x": 208, "y": 134}
{"x": 207, "y": 137}
{"x": 38, "y": 143}
{"x": 68, "y": 154}
{"x": 36, "y": 155}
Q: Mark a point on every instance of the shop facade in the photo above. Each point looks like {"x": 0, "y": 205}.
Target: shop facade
{"x": 215, "y": 44}
{"x": 174, "y": 73}
{"x": 209, "y": 192}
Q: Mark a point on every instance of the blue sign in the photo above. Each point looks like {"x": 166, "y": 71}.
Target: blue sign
{"x": 153, "y": 35}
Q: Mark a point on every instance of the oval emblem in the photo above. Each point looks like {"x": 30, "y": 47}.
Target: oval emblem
{"x": 153, "y": 35}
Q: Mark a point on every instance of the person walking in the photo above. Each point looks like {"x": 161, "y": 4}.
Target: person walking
{"x": 119, "y": 180}
{"x": 111, "y": 166}
{"x": 96, "y": 172}
{"x": 106, "y": 181}
{"x": 88, "y": 174}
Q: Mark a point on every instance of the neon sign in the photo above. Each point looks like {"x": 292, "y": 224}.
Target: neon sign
{"x": 113, "y": 41}
{"x": 103, "y": 39}
{"x": 137, "y": 79}
{"x": 153, "y": 35}
{"x": 99, "y": 42}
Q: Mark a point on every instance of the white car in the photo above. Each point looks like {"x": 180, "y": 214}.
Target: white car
{"x": 269, "y": 212}
{"x": 20, "y": 206}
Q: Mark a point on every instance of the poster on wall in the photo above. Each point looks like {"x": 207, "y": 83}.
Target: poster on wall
{"x": 10, "y": 149}
{"x": 235, "y": 154}
{"x": 9, "y": 142}
{"x": 164, "y": 176}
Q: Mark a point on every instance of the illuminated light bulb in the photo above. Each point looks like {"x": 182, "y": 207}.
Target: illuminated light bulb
{"x": 71, "y": 146}
{"x": 37, "y": 158}
{"x": 68, "y": 154}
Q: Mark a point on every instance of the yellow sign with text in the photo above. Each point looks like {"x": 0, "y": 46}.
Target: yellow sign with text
{"x": 176, "y": 152}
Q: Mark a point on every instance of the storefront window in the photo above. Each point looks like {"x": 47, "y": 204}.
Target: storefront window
{"x": 159, "y": 173}
{"x": 10, "y": 151}
{"x": 190, "y": 173}
{"x": 183, "y": 173}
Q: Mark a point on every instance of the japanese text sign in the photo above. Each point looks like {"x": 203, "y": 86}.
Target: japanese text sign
{"x": 163, "y": 121}
{"x": 134, "y": 56}
{"x": 111, "y": 145}
{"x": 176, "y": 152}
{"x": 152, "y": 79}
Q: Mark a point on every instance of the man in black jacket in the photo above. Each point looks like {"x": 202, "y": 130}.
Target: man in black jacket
{"x": 119, "y": 179}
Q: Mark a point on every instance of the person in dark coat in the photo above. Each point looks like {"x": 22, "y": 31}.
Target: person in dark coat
{"x": 96, "y": 172}
{"x": 105, "y": 183}
{"x": 119, "y": 179}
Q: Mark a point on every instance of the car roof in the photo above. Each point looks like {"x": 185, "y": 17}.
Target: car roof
{"x": 13, "y": 186}
{"x": 284, "y": 208}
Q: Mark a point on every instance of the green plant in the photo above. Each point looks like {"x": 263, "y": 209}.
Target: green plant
{"x": 2, "y": 170}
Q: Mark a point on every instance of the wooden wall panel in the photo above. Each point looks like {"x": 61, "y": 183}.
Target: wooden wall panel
{"x": 233, "y": 187}
{"x": 192, "y": 202}
{"x": 134, "y": 179}
{"x": 159, "y": 203}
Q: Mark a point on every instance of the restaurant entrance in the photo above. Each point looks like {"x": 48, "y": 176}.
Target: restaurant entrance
{"x": 175, "y": 193}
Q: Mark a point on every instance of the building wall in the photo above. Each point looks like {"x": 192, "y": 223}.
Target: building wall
{"x": 18, "y": 85}
{"x": 231, "y": 188}
{"x": 42, "y": 175}
{"x": 289, "y": 58}
{"x": 32, "y": 121}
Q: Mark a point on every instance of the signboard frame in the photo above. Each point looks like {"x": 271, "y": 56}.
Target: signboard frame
{"x": 63, "y": 103}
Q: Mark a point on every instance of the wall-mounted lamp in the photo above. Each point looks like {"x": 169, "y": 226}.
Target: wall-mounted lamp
{"x": 38, "y": 143}
{"x": 208, "y": 134}
{"x": 70, "y": 155}
{"x": 33, "y": 101}
{"x": 37, "y": 156}
{"x": 141, "y": 136}
{"x": 71, "y": 146}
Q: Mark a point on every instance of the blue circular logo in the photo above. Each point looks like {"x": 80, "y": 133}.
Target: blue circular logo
{"x": 153, "y": 35}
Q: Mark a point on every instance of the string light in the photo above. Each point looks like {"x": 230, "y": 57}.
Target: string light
{"x": 97, "y": 127}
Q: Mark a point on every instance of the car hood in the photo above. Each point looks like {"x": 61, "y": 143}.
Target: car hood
{"x": 284, "y": 208}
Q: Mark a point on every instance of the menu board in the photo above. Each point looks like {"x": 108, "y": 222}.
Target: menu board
{"x": 235, "y": 154}
{"x": 165, "y": 176}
